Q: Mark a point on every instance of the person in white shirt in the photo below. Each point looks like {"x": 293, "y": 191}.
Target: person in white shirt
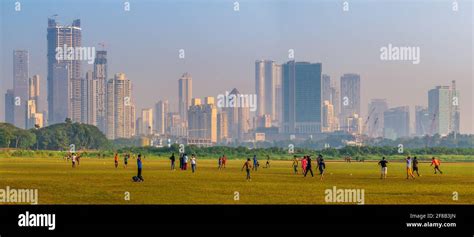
{"x": 185, "y": 165}
{"x": 193, "y": 162}
{"x": 409, "y": 170}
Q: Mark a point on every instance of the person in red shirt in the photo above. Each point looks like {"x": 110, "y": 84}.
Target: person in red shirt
{"x": 116, "y": 160}
{"x": 436, "y": 164}
{"x": 224, "y": 160}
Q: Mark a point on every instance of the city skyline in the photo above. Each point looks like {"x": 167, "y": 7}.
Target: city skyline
{"x": 146, "y": 96}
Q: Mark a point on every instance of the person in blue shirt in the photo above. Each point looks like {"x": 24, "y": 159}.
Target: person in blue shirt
{"x": 139, "y": 166}
{"x": 255, "y": 162}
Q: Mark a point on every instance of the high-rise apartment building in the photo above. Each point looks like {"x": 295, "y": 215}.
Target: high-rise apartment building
{"x": 301, "y": 97}
{"x": 20, "y": 87}
{"x": 375, "y": 118}
{"x": 64, "y": 36}
{"x": 185, "y": 93}
{"x": 350, "y": 96}
{"x": 397, "y": 122}
{"x": 120, "y": 108}
{"x": 267, "y": 83}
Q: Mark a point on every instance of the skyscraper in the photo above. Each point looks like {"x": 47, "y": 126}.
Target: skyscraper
{"x": 422, "y": 121}
{"x": 87, "y": 99}
{"x": 301, "y": 86}
{"x": 64, "y": 36}
{"x": 397, "y": 122}
{"x": 455, "y": 110}
{"x": 440, "y": 110}
{"x": 328, "y": 120}
{"x": 326, "y": 88}
{"x": 20, "y": 87}
{"x": 147, "y": 120}
{"x": 350, "y": 96}
{"x": 9, "y": 106}
{"x": 375, "y": 121}
{"x": 99, "y": 85}
{"x": 34, "y": 119}
{"x": 238, "y": 118}
{"x": 185, "y": 92}
{"x": 34, "y": 90}
{"x": 267, "y": 80}
{"x": 202, "y": 120}
{"x": 222, "y": 127}
{"x": 58, "y": 107}
{"x": 335, "y": 103}
{"x": 120, "y": 108}
{"x": 161, "y": 111}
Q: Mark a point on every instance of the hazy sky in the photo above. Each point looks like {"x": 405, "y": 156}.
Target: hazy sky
{"x": 221, "y": 45}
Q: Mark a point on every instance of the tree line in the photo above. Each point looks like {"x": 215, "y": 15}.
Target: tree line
{"x": 55, "y": 137}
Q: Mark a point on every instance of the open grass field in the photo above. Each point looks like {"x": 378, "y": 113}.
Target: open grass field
{"x": 96, "y": 181}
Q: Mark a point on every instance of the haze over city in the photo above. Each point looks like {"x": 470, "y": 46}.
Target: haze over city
{"x": 221, "y": 45}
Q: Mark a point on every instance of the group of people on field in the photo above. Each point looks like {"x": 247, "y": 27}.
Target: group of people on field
{"x": 221, "y": 162}
{"x": 75, "y": 158}
{"x": 253, "y": 164}
{"x": 183, "y": 162}
{"x": 126, "y": 157}
{"x": 307, "y": 167}
{"x": 411, "y": 167}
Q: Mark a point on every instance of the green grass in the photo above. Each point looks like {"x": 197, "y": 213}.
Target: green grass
{"x": 96, "y": 181}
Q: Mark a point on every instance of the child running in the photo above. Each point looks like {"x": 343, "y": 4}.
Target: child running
{"x": 224, "y": 161}
{"x": 383, "y": 170}
{"x": 125, "y": 160}
{"x": 436, "y": 164}
{"x": 321, "y": 166}
{"x": 116, "y": 160}
{"x": 415, "y": 166}
{"x": 303, "y": 164}
{"x": 248, "y": 167}
{"x": 308, "y": 166}
{"x": 409, "y": 169}
{"x": 73, "y": 157}
{"x": 295, "y": 164}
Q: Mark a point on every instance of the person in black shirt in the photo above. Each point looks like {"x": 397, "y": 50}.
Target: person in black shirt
{"x": 383, "y": 164}
{"x": 181, "y": 161}
{"x": 415, "y": 166}
{"x": 321, "y": 165}
{"x": 308, "y": 167}
{"x": 172, "y": 159}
